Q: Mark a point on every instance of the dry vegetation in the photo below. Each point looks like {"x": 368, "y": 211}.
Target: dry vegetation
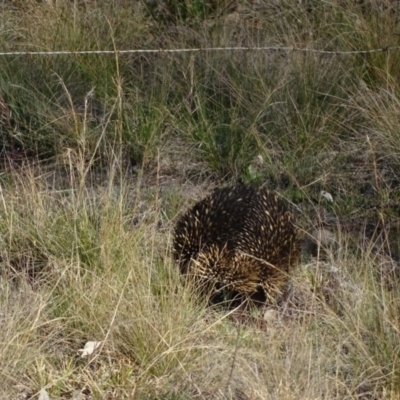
{"x": 101, "y": 153}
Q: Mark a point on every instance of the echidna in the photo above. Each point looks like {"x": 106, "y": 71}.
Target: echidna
{"x": 241, "y": 239}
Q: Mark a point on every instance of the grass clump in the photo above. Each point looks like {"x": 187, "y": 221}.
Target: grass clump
{"x": 336, "y": 336}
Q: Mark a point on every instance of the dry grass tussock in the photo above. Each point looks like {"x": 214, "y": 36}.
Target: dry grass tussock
{"x": 77, "y": 266}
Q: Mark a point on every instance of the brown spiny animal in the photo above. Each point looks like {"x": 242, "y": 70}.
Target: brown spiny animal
{"x": 240, "y": 239}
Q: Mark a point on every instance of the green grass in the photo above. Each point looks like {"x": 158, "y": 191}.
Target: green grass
{"x": 117, "y": 147}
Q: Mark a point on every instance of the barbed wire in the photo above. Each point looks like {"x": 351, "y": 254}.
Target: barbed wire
{"x": 198, "y": 50}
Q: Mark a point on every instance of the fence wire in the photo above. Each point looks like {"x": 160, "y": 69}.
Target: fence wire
{"x": 198, "y": 50}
